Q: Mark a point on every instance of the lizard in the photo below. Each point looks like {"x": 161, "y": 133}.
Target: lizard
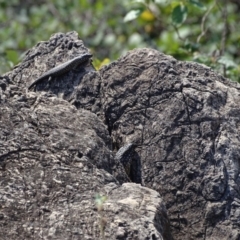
{"x": 63, "y": 68}
{"x": 124, "y": 156}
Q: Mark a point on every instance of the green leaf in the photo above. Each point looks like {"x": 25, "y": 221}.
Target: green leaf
{"x": 12, "y": 56}
{"x": 133, "y": 14}
{"x": 99, "y": 201}
{"x": 191, "y": 46}
{"x": 229, "y": 63}
{"x": 202, "y": 58}
{"x": 197, "y": 4}
{"x": 179, "y": 14}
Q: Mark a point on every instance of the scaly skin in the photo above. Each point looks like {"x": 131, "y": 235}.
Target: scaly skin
{"x": 63, "y": 68}
{"x": 124, "y": 156}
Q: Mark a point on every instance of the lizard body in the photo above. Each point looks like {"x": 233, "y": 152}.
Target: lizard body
{"x": 63, "y": 68}
{"x": 124, "y": 156}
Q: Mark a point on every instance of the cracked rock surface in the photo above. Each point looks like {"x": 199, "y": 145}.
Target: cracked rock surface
{"x": 57, "y": 147}
{"x": 186, "y": 118}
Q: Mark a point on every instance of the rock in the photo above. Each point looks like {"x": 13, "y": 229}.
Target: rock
{"x": 135, "y": 212}
{"x": 58, "y": 143}
{"x": 187, "y": 119}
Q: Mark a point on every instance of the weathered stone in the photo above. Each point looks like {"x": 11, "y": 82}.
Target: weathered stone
{"x": 135, "y": 212}
{"x": 57, "y": 148}
{"x": 187, "y": 119}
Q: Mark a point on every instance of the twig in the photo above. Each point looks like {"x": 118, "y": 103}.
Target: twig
{"x": 203, "y": 29}
{"x": 224, "y": 32}
{"x": 178, "y": 34}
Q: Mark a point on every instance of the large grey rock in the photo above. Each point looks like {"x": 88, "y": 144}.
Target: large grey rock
{"x": 135, "y": 212}
{"x": 57, "y": 148}
{"x": 55, "y": 157}
{"x": 186, "y": 118}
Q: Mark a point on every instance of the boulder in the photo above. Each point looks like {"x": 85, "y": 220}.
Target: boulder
{"x": 58, "y": 143}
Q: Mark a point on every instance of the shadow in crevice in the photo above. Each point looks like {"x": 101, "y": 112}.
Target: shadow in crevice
{"x": 136, "y": 169}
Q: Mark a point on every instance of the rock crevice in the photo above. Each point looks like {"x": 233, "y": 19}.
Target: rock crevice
{"x": 58, "y": 146}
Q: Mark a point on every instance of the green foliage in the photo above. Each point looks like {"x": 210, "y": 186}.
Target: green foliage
{"x": 99, "y": 201}
{"x": 179, "y": 14}
{"x": 203, "y": 31}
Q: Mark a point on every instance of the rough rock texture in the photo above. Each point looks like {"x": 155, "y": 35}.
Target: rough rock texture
{"x": 187, "y": 120}
{"x": 57, "y": 148}
{"x": 54, "y": 159}
{"x": 142, "y": 210}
